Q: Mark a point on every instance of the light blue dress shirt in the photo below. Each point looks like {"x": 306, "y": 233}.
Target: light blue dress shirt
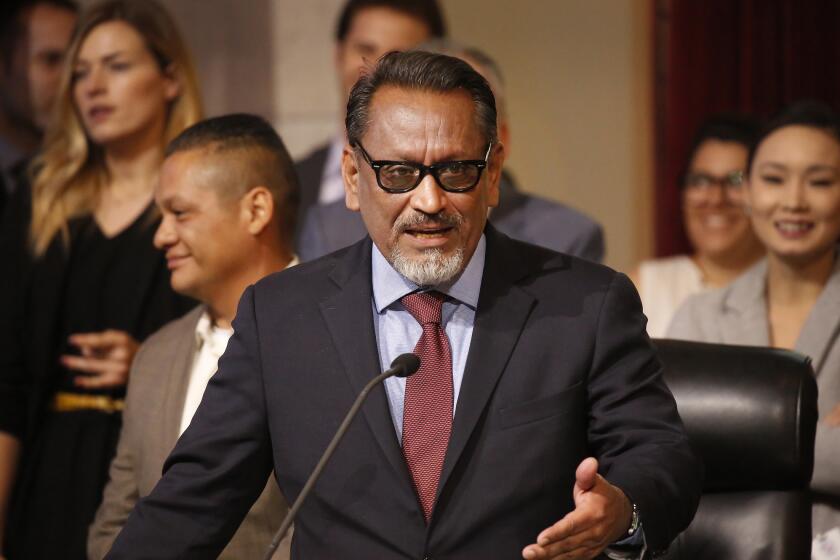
{"x": 397, "y": 331}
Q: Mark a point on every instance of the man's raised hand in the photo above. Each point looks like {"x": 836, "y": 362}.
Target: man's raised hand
{"x": 602, "y": 516}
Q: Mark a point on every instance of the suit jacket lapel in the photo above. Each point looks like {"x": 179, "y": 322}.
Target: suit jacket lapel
{"x": 503, "y": 308}
{"x": 348, "y": 315}
{"x": 744, "y": 318}
{"x": 179, "y": 367}
{"x": 823, "y": 324}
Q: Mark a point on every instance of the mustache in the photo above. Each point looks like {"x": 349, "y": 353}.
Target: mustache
{"x": 415, "y": 219}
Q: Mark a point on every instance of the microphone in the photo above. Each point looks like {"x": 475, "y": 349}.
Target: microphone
{"x": 402, "y": 366}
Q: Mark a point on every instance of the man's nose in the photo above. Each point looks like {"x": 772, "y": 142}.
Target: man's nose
{"x": 165, "y": 234}
{"x": 428, "y": 197}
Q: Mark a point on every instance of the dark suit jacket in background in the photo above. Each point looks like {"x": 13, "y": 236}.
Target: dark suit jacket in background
{"x": 559, "y": 368}
{"x": 327, "y": 228}
{"x": 310, "y": 172}
{"x": 151, "y": 422}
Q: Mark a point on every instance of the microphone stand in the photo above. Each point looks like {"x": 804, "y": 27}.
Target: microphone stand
{"x": 403, "y": 366}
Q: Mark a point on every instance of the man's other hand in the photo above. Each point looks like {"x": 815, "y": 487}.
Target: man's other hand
{"x": 601, "y": 517}
{"x": 105, "y": 358}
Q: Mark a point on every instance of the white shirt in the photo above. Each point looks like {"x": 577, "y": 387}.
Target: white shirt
{"x": 664, "y": 284}
{"x": 211, "y": 341}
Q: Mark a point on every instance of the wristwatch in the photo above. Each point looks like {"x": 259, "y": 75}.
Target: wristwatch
{"x": 634, "y": 522}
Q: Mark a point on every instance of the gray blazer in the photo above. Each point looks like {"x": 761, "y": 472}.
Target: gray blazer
{"x": 151, "y": 420}
{"x": 737, "y": 314}
{"x": 327, "y": 228}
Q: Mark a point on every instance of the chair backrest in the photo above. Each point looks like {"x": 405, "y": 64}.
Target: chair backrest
{"x": 751, "y": 416}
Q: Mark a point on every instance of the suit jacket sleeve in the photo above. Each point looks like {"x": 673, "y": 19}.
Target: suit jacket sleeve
{"x": 634, "y": 426}
{"x": 218, "y": 467}
{"x": 121, "y": 493}
{"x": 590, "y": 244}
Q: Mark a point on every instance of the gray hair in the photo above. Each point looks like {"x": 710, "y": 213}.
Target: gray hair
{"x": 479, "y": 60}
{"x": 423, "y": 71}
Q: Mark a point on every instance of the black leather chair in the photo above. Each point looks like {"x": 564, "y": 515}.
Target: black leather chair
{"x": 751, "y": 416}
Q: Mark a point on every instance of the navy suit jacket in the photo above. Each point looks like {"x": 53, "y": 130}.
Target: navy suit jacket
{"x": 327, "y": 228}
{"x": 559, "y": 368}
{"x": 310, "y": 172}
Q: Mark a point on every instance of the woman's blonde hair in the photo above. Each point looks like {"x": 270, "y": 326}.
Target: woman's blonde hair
{"x": 70, "y": 172}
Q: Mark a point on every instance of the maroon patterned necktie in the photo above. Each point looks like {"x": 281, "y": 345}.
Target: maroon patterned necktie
{"x": 427, "y": 415}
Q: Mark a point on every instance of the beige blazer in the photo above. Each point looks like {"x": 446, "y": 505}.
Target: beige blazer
{"x": 737, "y": 314}
{"x": 151, "y": 420}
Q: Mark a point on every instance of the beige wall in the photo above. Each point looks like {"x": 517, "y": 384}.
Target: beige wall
{"x": 579, "y": 78}
{"x": 579, "y": 82}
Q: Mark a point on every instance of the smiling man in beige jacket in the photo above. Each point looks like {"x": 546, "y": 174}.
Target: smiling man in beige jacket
{"x": 228, "y": 197}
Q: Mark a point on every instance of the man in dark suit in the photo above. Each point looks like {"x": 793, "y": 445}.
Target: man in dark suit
{"x": 366, "y": 30}
{"x": 329, "y": 227}
{"x": 538, "y": 424}
{"x": 33, "y": 37}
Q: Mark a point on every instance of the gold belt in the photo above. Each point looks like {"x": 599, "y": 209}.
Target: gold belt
{"x": 68, "y": 402}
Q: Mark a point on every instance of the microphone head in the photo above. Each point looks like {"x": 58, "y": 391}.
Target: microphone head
{"x": 406, "y": 363}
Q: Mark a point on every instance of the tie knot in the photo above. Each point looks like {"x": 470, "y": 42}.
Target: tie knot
{"x": 425, "y": 307}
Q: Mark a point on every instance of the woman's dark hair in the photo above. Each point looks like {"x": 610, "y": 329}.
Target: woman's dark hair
{"x": 727, "y": 127}
{"x": 810, "y": 113}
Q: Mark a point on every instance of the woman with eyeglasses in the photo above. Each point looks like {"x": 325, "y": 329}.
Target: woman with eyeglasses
{"x": 86, "y": 284}
{"x": 723, "y": 243}
{"x": 791, "y": 299}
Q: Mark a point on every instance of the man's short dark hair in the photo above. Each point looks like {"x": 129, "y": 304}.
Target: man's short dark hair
{"x": 426, "y": 11}
{"x": 422, "y": 71}
{"x": 807, "y": 112}
{"x": 11, "y": 22}
{"x": 255, "y": 137}
{"x": 725, "y": 127}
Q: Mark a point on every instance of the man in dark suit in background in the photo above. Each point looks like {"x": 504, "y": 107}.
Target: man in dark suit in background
{"x": 366, "y": 30}
{"x": 34, "y": 34}
{"x": 329, "y": 227}
{"x": 538, "y": 423}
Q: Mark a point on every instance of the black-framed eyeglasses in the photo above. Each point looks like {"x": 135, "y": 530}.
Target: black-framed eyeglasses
{"x": 698, "y": 185}
{"x": 402, "y": 176}
{"x": 732, "y": 180}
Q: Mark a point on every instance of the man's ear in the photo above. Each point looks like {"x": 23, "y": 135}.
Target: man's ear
{"x": 495, "y": 163}
{"x": 350, "y": 174}
{"x": 257, "y": 207}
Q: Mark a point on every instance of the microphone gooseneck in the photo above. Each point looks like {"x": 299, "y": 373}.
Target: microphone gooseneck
{"x": 402, "y": 366}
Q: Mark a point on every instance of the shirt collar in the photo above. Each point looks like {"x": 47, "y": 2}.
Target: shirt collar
{"x": 214, "y": 337}
{"x": 389, "y": 285}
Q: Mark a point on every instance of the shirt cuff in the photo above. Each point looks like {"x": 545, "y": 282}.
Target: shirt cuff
{"x": 633, "y": 547}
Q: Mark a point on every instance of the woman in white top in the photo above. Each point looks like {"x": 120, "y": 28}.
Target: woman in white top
{"x": 717, "y": 228}
{"x": 791, "y": 299}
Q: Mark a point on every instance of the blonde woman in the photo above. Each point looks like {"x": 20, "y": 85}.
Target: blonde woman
{"x": 86, "y": 284}
{"x": 791, "y": 299}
